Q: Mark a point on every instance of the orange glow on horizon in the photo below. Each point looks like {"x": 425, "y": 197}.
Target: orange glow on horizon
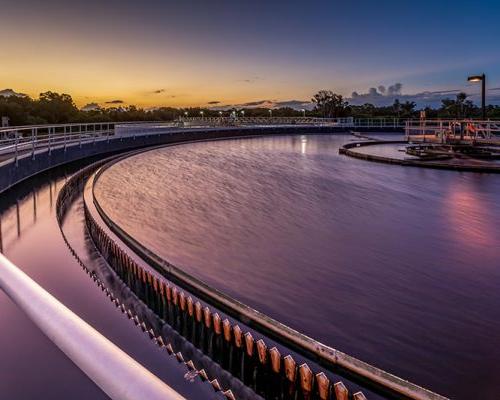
{"x": 100, "y": 67}
{"x": 103, "y": 72}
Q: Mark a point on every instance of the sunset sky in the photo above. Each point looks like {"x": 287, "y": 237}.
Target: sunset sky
{"x": 182, "y": 53}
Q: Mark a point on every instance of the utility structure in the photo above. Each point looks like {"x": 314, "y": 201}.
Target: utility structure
{"x": 480, "y": 78}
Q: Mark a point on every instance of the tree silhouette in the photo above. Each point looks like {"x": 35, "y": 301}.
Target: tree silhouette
{"x": 458, "y": 108}
{"x": 56, "y": 108}
{"x": 408, "y": 109}
{"x": 397, "y": 107}
{"x": 330, "y": 104}
{"x": 52, "y": 107}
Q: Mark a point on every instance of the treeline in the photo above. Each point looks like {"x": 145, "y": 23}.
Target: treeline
{"x": 330, "y": 104}
{"x": 55, "y": 108}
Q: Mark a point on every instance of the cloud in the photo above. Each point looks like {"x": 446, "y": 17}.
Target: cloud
{"x": 250, "y": 80}
{"x": 254, "y": 103}
{"x": 213, "y": 102}
{"x": 90, "y": 107}
{"x": 295, "y": 104}
{"x": 160, "y": 91}
{"x": 250, "y": 104}
{"x": 383, "y": 96}
{"x": 395, "y": 89}
{"x": 380, "y": 92}
{"x": 115, "y": 102}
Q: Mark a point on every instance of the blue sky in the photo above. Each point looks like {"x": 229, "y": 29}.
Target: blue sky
{"x": 232, "y": 52}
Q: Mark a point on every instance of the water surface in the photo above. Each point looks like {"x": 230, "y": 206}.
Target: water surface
{"x": 31, "y": 366}
{"x": 397, "y": 266}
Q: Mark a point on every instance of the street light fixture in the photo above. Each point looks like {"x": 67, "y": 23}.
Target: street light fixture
{"x": 270, "y": 112}
{"x": 481, "y": 78}
{"x": 303, "y": 112}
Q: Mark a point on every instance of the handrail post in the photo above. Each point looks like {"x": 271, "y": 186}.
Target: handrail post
{"x": 16, "y": 142}
{"x": 33, "y": 138}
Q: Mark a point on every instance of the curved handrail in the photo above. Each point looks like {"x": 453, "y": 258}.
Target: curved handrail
{"x": 114, "y": 371}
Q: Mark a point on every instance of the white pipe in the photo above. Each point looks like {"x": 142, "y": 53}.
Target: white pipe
{"x": 114, "y": 371}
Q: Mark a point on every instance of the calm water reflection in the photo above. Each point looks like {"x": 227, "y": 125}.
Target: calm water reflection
{"x": 397, "y": 266}
{"x": 30, "y": 237}
{"x": 31, "y": 366}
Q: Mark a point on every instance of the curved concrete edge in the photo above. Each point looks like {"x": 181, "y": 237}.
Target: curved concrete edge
{"x": 346, "y": 150}
{"x": 195, "y": 360}
{"x": 12, "y": 172}
{"x": 115, "y": 372}
{"x": 302, "y": 344}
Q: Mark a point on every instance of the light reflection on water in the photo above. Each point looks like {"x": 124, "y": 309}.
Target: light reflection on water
{"x": 30, "y": 363}
{"x": 397, "y": 266}
{"x": 30, "y": 238}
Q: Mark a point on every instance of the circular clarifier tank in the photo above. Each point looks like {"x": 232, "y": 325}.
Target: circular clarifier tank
{"x": 378, "y": 261}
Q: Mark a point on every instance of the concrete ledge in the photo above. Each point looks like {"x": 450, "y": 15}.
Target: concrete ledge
{"x": 27, "y": 166}
{"x": 357, "y": 370}
{"x": 347, "y": 150}
{"x": 12, "y": 172}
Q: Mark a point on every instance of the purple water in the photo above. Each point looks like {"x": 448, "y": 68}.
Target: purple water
{"x": 397, "y": 266}
{"x": 31, "y": 366}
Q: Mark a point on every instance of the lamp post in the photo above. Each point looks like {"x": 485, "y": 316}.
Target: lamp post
{"x": 303, "y": 112}
{"x": 270, "y": 113}
{"x": 480, "y": 78}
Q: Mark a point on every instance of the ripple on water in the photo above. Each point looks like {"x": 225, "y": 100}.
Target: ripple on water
{"x": 397, "y": 266}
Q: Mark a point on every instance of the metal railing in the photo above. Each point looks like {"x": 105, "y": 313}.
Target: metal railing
{"x": 111, "y": 369}
{"x": 348, "y": 122}
{"x": 21, "y": 140}
{"x": 381, "y": 122}
{"x": 115, "y": 372}
{"x": 442, "y": 130}
{"x": 28, "y": 139}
